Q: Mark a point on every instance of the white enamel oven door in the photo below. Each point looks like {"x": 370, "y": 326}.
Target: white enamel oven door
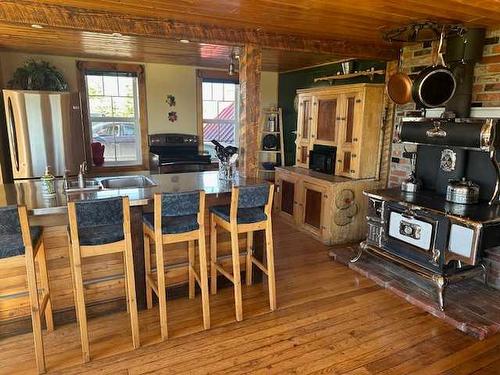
{"x": 418, "y": 236}
{"x": 463, "y": 243}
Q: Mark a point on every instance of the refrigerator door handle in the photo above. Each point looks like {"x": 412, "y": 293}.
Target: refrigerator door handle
{"x": 11, "y": 121}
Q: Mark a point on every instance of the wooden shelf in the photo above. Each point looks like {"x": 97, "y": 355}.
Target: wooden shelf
{"x": 370, "y": 73}
{"x": 276, "y": 156}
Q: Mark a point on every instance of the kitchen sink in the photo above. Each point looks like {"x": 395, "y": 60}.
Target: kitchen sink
{"x": 123, "y": 182}
{"x": 90, "y": 184}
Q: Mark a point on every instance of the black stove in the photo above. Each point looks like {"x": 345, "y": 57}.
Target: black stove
{"x": 177, "y": 153}
{"x": 422, "y": 231}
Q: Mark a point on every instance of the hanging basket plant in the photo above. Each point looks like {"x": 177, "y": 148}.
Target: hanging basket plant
{"x": 38, "y": 75}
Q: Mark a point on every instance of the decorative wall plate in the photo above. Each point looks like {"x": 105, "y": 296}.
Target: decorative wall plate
{"x": 344, "y": 199}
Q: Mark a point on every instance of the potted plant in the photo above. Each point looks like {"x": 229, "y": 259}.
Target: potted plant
{"x": 38, "y": 75}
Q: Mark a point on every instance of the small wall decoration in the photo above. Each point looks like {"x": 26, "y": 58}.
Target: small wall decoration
{"x": 170, "y": 100}
{"x": 172, "y": 116}
{"x": 347, "y": 208}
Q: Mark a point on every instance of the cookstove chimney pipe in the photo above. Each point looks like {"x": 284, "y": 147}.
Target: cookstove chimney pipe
{"x": 462, "y": 53}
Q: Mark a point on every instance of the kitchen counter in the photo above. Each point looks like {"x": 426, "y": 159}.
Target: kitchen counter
{"x": 30, "y": 193}
{"x": 107, "y": 294}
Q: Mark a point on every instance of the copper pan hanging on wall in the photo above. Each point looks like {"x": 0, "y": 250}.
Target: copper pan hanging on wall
{"x": 399, "y": 85}
{"x": 399, "y": 88}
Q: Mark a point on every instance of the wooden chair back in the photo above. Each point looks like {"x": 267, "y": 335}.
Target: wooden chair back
{"x": 258, "y": 196}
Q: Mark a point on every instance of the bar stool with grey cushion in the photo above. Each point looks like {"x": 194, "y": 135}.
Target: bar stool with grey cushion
{"x": 177, "y": 217}
{"x": 20, "y": 245}
{"x": 100, "y": 227}
{"x": 250, "y": 211}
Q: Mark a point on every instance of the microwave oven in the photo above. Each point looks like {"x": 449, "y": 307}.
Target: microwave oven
{"x": 322, "y": 159}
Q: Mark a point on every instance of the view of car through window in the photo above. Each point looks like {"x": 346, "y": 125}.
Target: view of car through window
{"x": 113, "y": 107}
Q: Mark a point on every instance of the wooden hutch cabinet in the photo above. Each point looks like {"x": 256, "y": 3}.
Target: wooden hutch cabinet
{"x": 332, "y": 207}
{"x": 347, "y": 117}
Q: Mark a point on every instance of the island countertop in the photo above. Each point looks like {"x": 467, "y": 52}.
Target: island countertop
{"x": 30, "y": 193}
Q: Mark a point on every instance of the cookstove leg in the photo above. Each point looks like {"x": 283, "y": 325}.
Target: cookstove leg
{"x": 485, "y": 274}
{"x": 358, "y": 255}
{"x": 441, "y": 284}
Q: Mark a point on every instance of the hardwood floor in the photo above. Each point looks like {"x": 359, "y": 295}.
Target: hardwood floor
{"x": 329, "y": 320}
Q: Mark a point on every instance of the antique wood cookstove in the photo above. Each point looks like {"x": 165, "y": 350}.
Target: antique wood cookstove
{"x": 425, "y": 230}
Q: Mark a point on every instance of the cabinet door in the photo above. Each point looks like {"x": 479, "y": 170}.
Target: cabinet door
{"x": 326, "y": 119}
{"x": 348, "y": 150}
{"x": 287, "y": 196}
{"x": 347, "y": 163}
{"x": 314, "y": 207}
{"x": 304, "y": 131}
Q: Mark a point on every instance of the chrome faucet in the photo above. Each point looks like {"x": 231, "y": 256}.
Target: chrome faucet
{"x": 81, "y": 173}
{"x": 65, "y": 180}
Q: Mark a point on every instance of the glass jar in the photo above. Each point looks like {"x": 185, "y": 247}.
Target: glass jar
{"x": 227, "y": 171}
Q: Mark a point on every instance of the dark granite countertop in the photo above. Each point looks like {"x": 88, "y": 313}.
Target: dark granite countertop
{"x": 30, "y": 193}
{"x": 479, "y": 213}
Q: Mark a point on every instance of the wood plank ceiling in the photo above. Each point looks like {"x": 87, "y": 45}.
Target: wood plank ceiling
{"x": 296, "y": 32}
{"x": 51, "y": 41}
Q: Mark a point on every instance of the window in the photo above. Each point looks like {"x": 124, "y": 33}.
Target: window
{"x": 113, "y": 102}
{"x": 219, "y": 111}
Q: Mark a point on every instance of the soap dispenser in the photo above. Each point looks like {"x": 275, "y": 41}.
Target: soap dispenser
{"x": 48, "y": 184}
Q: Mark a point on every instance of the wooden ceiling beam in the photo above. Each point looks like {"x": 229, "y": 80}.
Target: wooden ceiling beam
{"x": 66, "y": 17}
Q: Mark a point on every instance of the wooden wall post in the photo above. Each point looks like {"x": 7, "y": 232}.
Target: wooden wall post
{"x": 250, "y": 68}
{"x": 389, "y": 108}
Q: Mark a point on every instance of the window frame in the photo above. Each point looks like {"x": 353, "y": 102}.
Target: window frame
{"x": 85, "y": 67}
{"x": 213, "y": 76}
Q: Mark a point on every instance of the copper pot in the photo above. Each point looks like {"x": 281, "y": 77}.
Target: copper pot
{"x": 399, "y": 88}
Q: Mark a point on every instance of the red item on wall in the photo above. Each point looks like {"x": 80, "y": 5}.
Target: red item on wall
{"x": 97, "y": 153}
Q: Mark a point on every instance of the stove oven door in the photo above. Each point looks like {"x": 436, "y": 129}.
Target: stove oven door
{"x": 418, "y": 236}
{"x": 463, "y": 243}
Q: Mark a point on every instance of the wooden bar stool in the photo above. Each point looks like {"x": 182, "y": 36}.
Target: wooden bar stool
{"x": 250, "y": 210}
{"x": 21, "y": 244}
{"x": 177, "y": 217}
{"x": 101, "y": 227}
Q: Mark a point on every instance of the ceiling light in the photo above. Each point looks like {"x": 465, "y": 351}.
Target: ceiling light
{"x": 117, "y": 35}
{"x": 37, "y": 26}
{"x": 185, "y": 41}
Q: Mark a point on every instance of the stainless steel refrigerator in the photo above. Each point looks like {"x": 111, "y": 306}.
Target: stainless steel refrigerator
{"x": 44, "y": 129}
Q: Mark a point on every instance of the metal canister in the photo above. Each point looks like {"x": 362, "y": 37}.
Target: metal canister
{"x": 412, "y": 184}
{"x": 462, "y": 191}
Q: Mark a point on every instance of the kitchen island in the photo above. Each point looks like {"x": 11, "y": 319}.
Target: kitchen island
{"x": 103, "y": 279}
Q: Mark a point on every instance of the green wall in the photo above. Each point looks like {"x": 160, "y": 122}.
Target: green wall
{"x": 289, "y": 83}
